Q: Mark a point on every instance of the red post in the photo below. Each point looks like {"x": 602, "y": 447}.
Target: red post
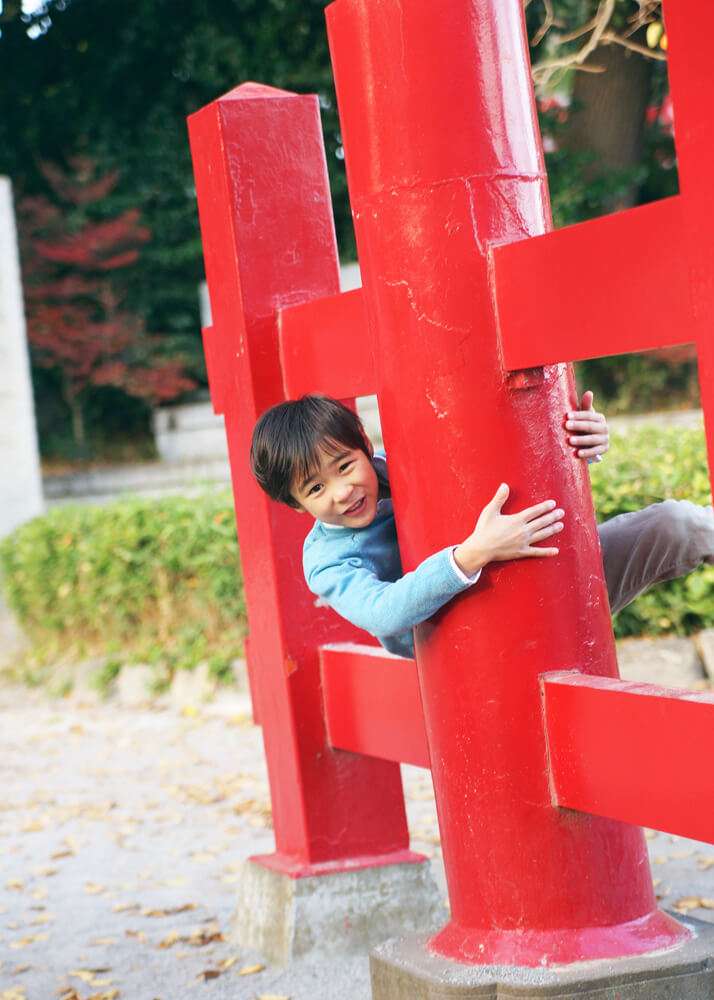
{"x": 444, "y": 162}
{"x": 269, "y": 242}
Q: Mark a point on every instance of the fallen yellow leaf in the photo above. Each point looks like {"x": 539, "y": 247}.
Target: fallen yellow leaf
{"x": 171, "y": 938}
{"x": 248, "y": 970}
{"x": 30, "y": 939}
{"x": 687, "y": 903}
{"x": 209, "y": 974}
{"x": 169, "y": 911}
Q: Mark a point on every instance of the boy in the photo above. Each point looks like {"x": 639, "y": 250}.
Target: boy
{"x": 312, "y": 454}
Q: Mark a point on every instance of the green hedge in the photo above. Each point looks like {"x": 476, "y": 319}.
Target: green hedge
{"x": 159, "y": 580}
{"x": 645, "y": 466}
{"x": 146, "y": 580}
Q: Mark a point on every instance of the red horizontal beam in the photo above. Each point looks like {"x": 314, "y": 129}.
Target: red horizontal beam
{"x": 372, "y": 703}
{"x": 325, "y": 347}
{"x": 609, "y": 286}
{"x": 633, "y": 752}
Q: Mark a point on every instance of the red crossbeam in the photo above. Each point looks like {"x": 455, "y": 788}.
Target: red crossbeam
{"x": 372, "y": 703}
{"x": 325, "y": 347}
{"x": 632, "y": 752}
{"x": 555, "y": 293}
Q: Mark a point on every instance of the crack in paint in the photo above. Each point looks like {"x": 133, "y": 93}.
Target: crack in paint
{"x": 421, "y": 315}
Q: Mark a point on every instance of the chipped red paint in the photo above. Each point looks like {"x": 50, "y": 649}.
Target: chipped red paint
{"x": 444, "y": 163}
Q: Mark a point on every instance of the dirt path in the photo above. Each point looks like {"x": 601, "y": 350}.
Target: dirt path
{"x": 121, "y": 834}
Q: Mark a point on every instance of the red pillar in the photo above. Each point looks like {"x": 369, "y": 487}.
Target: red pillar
{"x": 269, "y": 241}
{"x": 444, "y": 161}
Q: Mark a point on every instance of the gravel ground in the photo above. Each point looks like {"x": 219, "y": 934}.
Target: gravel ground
{"x": 121, "y": 834}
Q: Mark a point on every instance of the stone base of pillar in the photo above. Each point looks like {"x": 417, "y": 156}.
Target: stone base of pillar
{"x": 404, "y": 969}
{"x": 342, "y": 913}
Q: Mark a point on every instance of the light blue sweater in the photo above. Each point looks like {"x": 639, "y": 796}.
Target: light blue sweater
{"x": 358, "y": 572}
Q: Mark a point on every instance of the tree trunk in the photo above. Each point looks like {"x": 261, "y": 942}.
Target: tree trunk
{"x": 76, "y": 410}
{"x": 608, "y": 115}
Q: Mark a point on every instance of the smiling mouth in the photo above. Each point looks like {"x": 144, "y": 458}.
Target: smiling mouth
{"x": 356, "y": 507}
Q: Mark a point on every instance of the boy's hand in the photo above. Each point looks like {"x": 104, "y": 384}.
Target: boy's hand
{"x": 498, "y": 536}
{"x": 589, "y": 436}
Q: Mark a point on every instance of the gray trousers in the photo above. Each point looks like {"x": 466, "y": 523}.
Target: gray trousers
{"x": 658, "y": 543}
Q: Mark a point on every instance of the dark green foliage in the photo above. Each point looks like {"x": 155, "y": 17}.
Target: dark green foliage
{"x": 116, "y": 81}
{"x": 159, "y": 580}
{"x": 140, "y": 580}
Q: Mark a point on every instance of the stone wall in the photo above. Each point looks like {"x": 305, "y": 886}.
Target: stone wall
{"x": 20, "y": 479}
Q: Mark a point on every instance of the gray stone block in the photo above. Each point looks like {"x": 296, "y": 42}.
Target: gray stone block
{"x": 705, "y": 644}
{"x": 240, "y": 674}
{"x": 669, "y": 661}
{"x": 336, "y": 914}
{"x": 192, "y": 687}
{"x": 133, "y": 685}
{"x": 76, "y": 681}
{"x": 13, "y": 641}
{"x": 404, "y": 969}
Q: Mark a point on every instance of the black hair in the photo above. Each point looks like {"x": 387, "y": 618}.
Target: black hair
{"x": 288, "y": 438}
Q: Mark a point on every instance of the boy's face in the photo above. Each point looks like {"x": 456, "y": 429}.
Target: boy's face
{"x": 343, "y": 491}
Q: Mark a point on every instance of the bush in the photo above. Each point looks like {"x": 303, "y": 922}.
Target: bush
{"x": 145, "y": 580}
{"x": 159, "y": 580}
{"x": 643, "y": 467}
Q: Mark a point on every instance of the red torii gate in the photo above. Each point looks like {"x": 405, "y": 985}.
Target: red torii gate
{"x": 436, "y": 193}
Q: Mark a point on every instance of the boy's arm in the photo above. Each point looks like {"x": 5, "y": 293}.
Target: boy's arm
{"x": 383, "y": 608}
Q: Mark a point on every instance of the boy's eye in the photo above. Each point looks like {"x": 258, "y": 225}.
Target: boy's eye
{"x": 345, "y": 465}
{"x": 313, "y": 489}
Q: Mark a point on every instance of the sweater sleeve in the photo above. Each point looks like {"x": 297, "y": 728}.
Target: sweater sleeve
{"x": 383, "y": 608}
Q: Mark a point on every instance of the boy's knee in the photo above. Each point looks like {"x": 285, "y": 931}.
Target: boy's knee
{"x": 686, "y": 529}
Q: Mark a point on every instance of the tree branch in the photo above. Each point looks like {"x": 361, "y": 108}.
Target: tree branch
{"x": 547, "y": 24}
{"x": 609, "y": 37}
{"x": 543, "y": 72}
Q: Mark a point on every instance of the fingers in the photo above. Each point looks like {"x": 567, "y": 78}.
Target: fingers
{"x": 539, "y": 553}
{"x": 548, "y": 532}
{"x": 528, "y": 513}
{"x": 592, "y": 452}
{"x": 591, "y": 421}
{"x": 588, "y": 440}
{"x": 587, "y": 400}
{"x": 499, "y": 497}
{"x": 547, "y": 520}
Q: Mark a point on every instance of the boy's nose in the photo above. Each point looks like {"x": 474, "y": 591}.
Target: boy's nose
{"x": 342, "y": 492}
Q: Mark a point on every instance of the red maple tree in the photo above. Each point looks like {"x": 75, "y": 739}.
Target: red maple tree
{"x": 76, "y": 320}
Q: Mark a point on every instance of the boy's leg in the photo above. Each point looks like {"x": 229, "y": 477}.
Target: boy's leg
{"x": 661, "y": 542}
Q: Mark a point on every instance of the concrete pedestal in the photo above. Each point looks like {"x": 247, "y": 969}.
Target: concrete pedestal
{"x": 404, "y": 969}
{"x": 286, "y": 918}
